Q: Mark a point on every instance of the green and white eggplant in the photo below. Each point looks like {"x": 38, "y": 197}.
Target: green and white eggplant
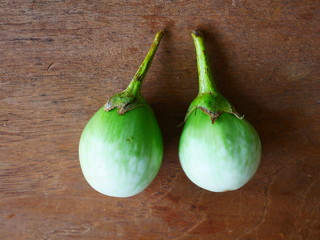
{"x": 219, "y": 150}
{"x": 121, "y": 146}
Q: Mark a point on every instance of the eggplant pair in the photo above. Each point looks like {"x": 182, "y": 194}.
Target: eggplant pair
{"x": 121, "y": 147}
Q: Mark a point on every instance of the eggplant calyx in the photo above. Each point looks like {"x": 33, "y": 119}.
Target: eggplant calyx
{"x": 212, "y": 105}
{"x": 125, "y": 102}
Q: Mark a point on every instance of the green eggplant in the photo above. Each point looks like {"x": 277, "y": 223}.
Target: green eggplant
{"x": 219, "y": 150}
{"x": 121, "y": 146}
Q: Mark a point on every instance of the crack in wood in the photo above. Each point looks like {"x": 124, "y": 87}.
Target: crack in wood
{"x": 265, "y": 207}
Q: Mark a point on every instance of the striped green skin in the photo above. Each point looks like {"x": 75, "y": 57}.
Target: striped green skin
{"x": 120, "y": 155}
{"x": 222, "y": 156}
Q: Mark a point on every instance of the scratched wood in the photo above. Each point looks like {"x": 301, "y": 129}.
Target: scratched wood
{"x": 60, "y": 60}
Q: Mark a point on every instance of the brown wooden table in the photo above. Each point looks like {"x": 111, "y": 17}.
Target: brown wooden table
{"x": 59, "y": 62}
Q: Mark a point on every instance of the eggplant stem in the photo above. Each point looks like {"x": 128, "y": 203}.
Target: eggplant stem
{"x": 131, "y": 97}
{"x": 209, "y": 100}
{"x": 206, "y": 80}
{"x": 135, "y": 85}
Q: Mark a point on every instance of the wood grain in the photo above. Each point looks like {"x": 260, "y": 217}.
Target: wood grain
{"x": 60, "y": 60}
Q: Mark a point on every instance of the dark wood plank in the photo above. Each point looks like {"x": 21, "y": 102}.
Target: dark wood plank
{"x": 60, "y": 60}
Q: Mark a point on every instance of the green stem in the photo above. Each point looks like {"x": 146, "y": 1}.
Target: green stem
{"x": 134, "y": 87}
{"x": 209, "y": 100}
{"x": 131, "y": 98}
{"x": 206, "y": 80}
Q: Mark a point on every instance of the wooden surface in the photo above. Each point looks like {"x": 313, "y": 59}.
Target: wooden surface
{"x": 60, "y": 60}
